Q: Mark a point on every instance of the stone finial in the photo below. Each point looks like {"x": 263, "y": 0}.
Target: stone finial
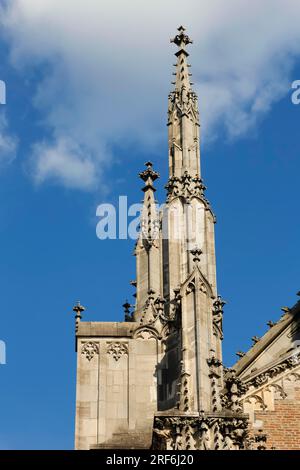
{"x": 134, "y": 284}
{"x": 219, "y": 304}
{"x": 78, "y": 309}
{"x": 240, "y": 354}
{"x": 234, "y": 388}
{"x": 181, "y": 39}
{"x": 214, "y": 362}
{"x": 126, "y": 307}
{"x": 285, "y": 309}
{"x": 218, "y": 316}
{"x": 127, "y": 313}
{"x": 255, "y": 339}
{"x": 184, "y": 95}
{"x": 270, "y": 324}
{"x": 149, "y": 176}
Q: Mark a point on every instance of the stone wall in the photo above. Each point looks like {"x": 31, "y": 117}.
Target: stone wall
{"x": 116, "y": 396}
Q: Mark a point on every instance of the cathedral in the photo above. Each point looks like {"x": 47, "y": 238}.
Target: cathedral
{"x": 157, "y": 380}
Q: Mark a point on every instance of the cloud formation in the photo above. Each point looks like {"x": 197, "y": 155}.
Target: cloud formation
{"x": 109, "y": 72}
{"x": 64, "y": 162}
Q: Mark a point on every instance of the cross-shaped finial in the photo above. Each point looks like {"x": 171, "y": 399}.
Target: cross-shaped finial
{"x": 149, "y": 176}
{"x": 181, "y": 39}
{"x": 78, "y": 309}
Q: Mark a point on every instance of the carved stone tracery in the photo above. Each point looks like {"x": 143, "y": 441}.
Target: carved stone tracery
{"x": 160, "y": 316}
{"x": 183, "y": 103}
{"x": 117, "y": 349}
{"x": 186, "y": 187}
{"x": 89, "y": 349}
{"x": 262, "y": 378}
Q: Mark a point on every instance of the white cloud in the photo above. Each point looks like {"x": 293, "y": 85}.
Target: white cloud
{"x": 8, "y": 143}
{"x": 63, "y": 162}
{"x": 110, "y": 68}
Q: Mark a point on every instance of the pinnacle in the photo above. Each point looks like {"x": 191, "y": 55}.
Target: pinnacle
{"x": 181, "y": 39}
{"x": 182, "y": 73}
{"x": 78, "y": 308}
{"x": 149, "y": 175}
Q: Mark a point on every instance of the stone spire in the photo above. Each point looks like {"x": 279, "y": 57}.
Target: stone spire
{"x": 182, "y": 67}
{"x": 183, "y": 116}
{"x": 188, "y": 254}
{"x": 149, "y": 219}
{"x": 147, "y": 248}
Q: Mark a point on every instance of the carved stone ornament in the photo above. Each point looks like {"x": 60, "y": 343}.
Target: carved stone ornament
{"x": 183, "y": 103}
{"x": 200, "y": 433}
{"x": 89, "y": 349}
{"x": 117, "y": 349}
{"x": 215, "y": 372}
{"x": 157, "y": 314}
{"x": 218, "y": 317}
{"x": 186, "y": 187}
{"x": 262, "y": 378}
{"x": 146, "y": 333}
{"x": 233, "y": 390}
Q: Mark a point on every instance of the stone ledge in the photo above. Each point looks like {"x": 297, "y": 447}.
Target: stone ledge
{"x": 113, "y": 329}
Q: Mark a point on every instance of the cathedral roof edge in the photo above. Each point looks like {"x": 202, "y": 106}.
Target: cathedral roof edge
{"x": 268, "y": 338}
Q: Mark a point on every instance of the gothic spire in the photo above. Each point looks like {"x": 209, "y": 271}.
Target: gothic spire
{"x": 183, "y": 116}
{"x": 149, "y": 219}
{"x": 182, "y": 67}
{"x": 147, "y": 247}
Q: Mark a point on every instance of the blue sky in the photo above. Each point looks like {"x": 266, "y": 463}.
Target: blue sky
{"x": 86, "y": 107}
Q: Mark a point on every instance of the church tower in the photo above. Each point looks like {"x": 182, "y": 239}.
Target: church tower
{"x": 156, "y": 379}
